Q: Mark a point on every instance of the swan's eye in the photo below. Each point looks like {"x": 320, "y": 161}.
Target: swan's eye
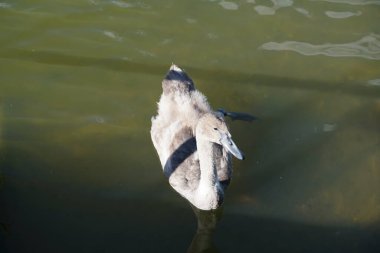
{"x": 215, "y": 128}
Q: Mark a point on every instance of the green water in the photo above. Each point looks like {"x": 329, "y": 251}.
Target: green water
{"x": 79, "y": 81}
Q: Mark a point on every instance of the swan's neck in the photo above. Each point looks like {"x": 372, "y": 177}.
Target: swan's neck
{"x": 209, "y": 192}
{"x": 207, "y": 163}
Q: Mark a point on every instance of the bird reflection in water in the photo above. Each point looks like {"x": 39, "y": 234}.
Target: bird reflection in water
{"x": 203, "y": 238}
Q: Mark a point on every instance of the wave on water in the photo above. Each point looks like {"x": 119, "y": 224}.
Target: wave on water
{"x": 229, "y": 5}
{"x": 352, "y": 2}
{"x": 112, "y": 35}
{"x": 5, "y": 5}
{"x": 342, "y": 14}
{"x": 120, "y": 3}
{"x": 367, "y": 47}
{"x": 277, "y": 4}
{"x": 374, "y": 82}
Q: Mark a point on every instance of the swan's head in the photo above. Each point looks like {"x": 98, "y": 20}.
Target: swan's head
{"x": 213, "y": 128}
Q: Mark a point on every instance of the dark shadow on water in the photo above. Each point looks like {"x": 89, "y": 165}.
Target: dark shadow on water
{"x": 46, "y": 215}
{"x": 220, "y": 75}
{"x": 88, "y": 224}
{"x": 241, "y": 233}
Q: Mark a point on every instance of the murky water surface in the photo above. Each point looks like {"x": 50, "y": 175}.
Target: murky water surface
{"x": 79, "y": 81}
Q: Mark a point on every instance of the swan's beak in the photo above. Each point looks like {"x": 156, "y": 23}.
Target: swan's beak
{"x": 229, "y": 144}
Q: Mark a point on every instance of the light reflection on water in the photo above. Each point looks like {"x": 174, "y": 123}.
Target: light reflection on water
{"x": 78, "y": 85}
{"x": 352, "y": 2}
{"x": 367, "y": 47}
{"x": 342, "y": 14}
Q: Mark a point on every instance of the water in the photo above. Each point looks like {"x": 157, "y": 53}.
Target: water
{"x": 79, "y": 81}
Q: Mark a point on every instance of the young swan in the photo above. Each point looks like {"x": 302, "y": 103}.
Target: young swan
{"x": 192, "y": 142}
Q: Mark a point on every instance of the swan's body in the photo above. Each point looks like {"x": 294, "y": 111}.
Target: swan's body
{"x": 192, "y": 142}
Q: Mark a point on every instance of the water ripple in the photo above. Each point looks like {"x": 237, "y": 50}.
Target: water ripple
{"x": 277, "y": 4}
{"x": 374, "y": 82}
{"x": 229, "y": 5}
{"x": 342, "y": 14}
{"x": 122, "y": 4}
{"x": 5, "y": 5}
{"x": 367, "y": 47}
{"x": 303, "y": 11}
{"x": 352, "y": 2}
{"x": 112, "y": 35}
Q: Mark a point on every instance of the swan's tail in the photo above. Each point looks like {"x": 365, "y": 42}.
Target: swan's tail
{"x": 177, "y": 80}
